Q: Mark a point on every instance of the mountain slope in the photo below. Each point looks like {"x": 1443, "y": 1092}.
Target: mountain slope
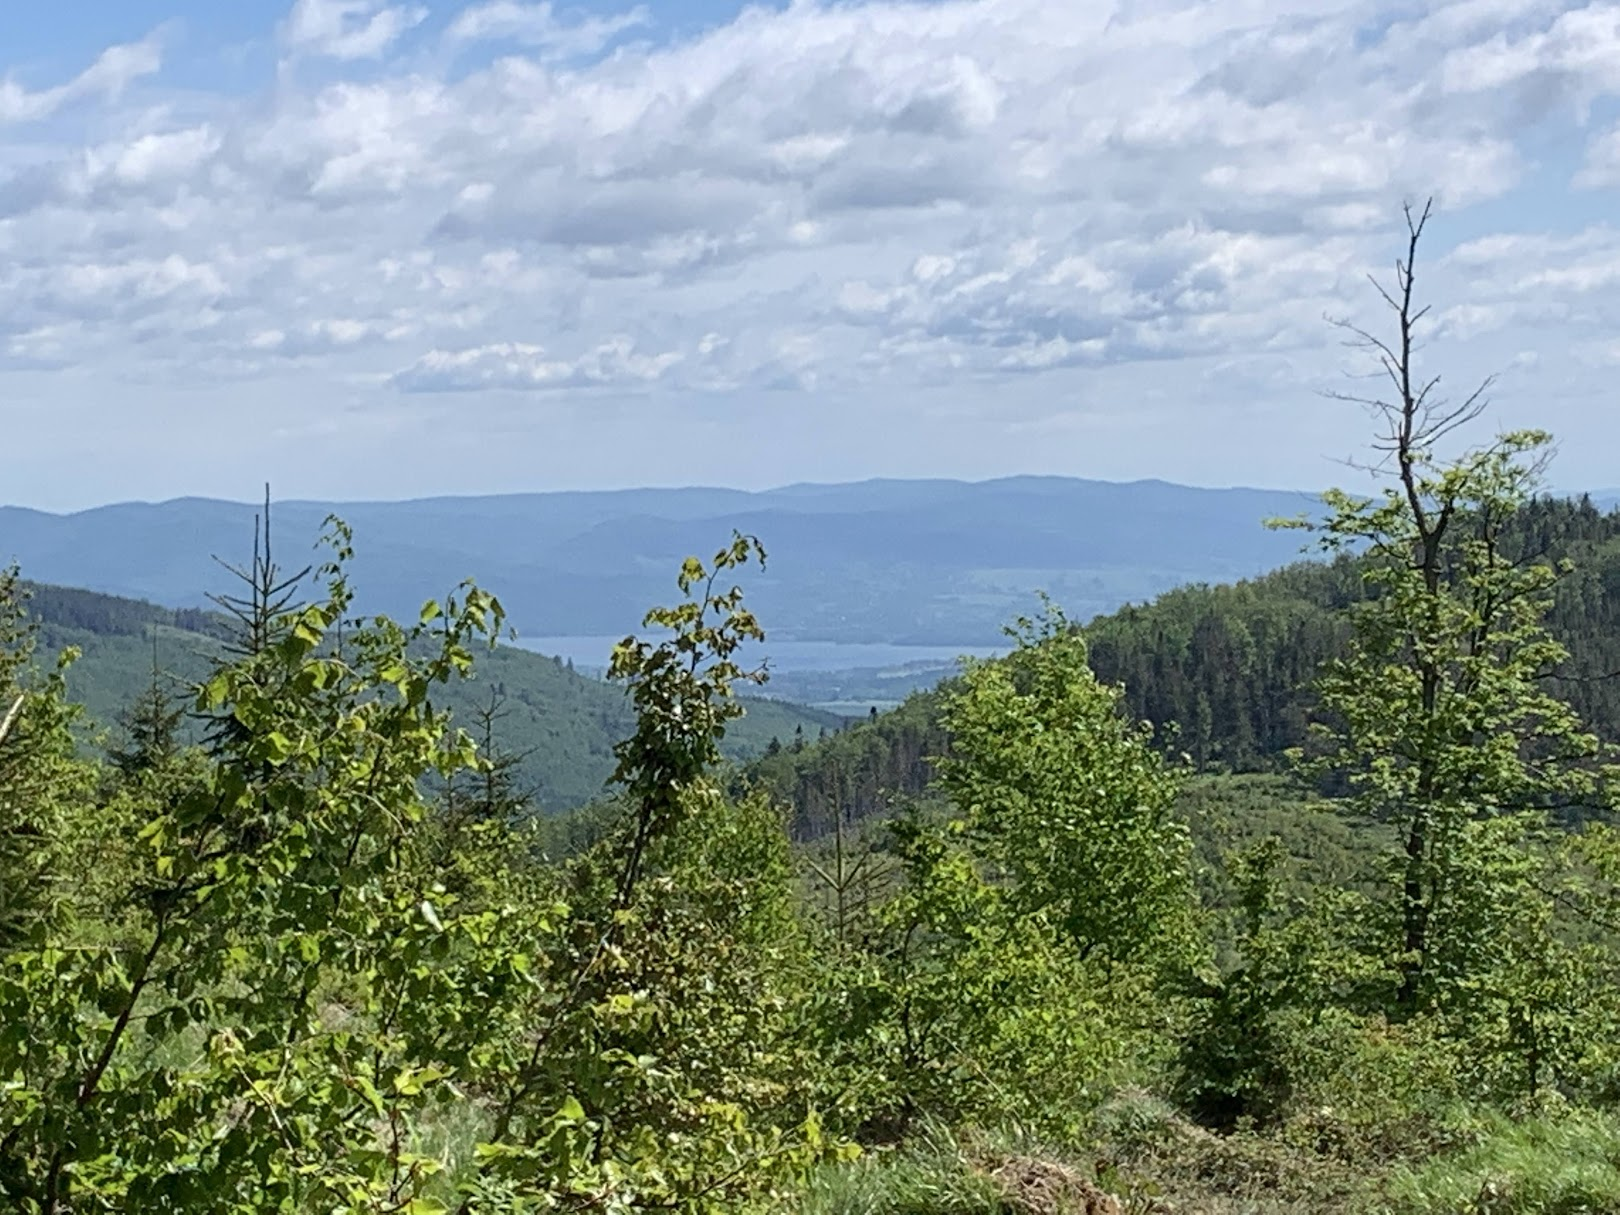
{"x": 564, "y": 723}
{"x": 1225, "y": 672}
{"x": 940, "y": 562}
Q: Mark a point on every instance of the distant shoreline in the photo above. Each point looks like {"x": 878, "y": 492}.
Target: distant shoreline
{"x": 591, "y": 652}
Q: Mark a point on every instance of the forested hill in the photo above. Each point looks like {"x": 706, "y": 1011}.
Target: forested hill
{"x": 562, "y": 723}
{"x": 1234, "y": 665}
{"x": 931, "y": 562}
{"x": 1225, "y": 672}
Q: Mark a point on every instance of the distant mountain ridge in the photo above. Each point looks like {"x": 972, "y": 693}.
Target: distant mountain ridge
{"x": 928, "y": 561}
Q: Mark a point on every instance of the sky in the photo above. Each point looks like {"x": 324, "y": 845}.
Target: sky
{"x": 367, "y": 249}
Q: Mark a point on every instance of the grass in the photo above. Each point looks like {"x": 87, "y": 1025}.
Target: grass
{"x": 931, "y": 1175}
{"x": 1156, "y": 1163}
{"x": 1159, "y": 1162}
{"x": 1555, "y": 1164}
{"x": 938, "y": 1172}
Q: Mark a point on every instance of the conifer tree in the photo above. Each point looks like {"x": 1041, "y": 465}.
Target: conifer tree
{"x": 151, "y": 726}
{"x": 495, "y": 791}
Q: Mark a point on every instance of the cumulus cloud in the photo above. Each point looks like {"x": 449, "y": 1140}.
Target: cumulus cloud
{"x": 1602, "y": 167}
{"x": 538, "y": 26}
{"x": 327, "y": 335}
{"x": 1049, "y": 216}
{"x": 1576, "y": 55}
{"x": 522, "y": 365}
{"x": 113, "y": 71}
{"x": 348, "y": 29}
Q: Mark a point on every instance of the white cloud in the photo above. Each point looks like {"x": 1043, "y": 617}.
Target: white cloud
{"x": 1578, "y": 53}
{"x": 140, "y": 279}
{"x": 114, "y": 70}
{"x": 539, "y": 27}
{"x": 1602, "y": 167}
{"x": 154, "y": 157}
{"x": 348, "y": 29}
{"x": 1004, "y": 212}
{"x": 522, "y": 365}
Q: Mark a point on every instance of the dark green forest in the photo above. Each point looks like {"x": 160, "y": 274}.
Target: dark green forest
{"x": 1226, "y": 673}
{"x": 1300, "y": 895}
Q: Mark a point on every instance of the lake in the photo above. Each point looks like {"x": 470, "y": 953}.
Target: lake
{"x": 786, "y": 657}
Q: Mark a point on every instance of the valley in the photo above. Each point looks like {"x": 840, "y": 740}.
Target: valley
{"x": 809, "y": 607}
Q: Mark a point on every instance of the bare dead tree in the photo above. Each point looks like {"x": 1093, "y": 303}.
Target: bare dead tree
{"x": 1414, "y": 418}
{"x": 1417, "y": 418}
{"x": 1445, "y": 518}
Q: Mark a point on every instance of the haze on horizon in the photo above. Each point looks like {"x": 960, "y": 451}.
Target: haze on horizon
{"x": 375, "y": 250}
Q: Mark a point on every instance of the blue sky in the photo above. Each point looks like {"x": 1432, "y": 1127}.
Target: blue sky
{"x": 381, "y": 248}
{"x": 40, "y": 34}
{"x": 210, "y": 40}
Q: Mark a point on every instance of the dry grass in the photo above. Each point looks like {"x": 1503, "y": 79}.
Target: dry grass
{"x": 1035, "y": 1185}
{"x": 1162, "y": 1164}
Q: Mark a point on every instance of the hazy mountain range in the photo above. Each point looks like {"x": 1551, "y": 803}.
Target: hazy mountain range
{"x": 924, "y": 562}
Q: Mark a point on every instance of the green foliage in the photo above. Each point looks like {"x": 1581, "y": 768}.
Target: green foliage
{"x": 1227, "y": 673}
{"x": 682, "y": 694}
{"x": 307, "y": 970}
{"x": 934, "y": 1174}
{"x": 1436, "y": 716}
{"x": 672, "y": 969}
{"x": 1064, "y": 797}
{"x": 42, "y": 786}
{"x": 1367, "y": 1091}
{"x": 492, "y": 791}
{"x": 330, "y": 960}
{"x": 151, "y": 727}
{"x": 1004, "y": 972}
{"x": 1240, "y": 1059}
{"x": 562, "y": 724}
{"x": 1529, "y": 981}
{"x": 956, "y": 1006}
{"x": 861, "y": 772}
{"x": 1319, "y": 842}
{"x": 197, "y": 1060}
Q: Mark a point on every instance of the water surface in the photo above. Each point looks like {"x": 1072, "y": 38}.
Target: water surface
{"x": 785, "y": 657}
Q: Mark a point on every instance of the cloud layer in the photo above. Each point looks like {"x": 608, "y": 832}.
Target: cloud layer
{"x": 965, "y": 237}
